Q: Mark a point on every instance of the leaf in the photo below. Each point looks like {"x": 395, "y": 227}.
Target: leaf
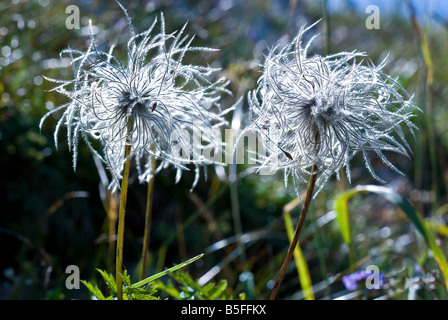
{"x": 340, "y": 206}
{"x": 169, "y": 289}
{"x": 133, "y": 291}
{"x": 342, "y": 212}
{"x": 109, "y": 279}
{"x": 438, "y": 227}
{"x": 147, "y": 293}
{"x": 94, "y": 290}
{"x": 161, "y": 274}
{"x": 129, "y": 293}
{"x": 190, "y": 289}
{"x": 302, "y": 266}
{"x": 126, "y": 278}
{"x": 218, "y": 289}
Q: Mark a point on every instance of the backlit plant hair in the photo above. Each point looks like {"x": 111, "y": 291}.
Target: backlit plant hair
{"x": 315, "y": 113}
{"x": 135, "y": 109}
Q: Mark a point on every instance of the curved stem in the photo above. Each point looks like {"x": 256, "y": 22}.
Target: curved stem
{"x": 295, "y": 239}
{"x": 149, "y": 197}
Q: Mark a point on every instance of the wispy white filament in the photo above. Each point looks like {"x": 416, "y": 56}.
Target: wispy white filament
{"x": 145, "y": 102}
{"x": 324, "y": 110}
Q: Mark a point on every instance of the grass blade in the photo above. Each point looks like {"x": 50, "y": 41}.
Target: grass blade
{"x": 302, "y": 266}
{"x": 411, "y": 213}
{"x": 342, "y": 217}
{"x": 161, "y": 274}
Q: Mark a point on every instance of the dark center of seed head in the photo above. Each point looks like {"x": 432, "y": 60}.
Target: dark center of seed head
{"x": 310, "y": 103}
{"x": 320, "y": 107}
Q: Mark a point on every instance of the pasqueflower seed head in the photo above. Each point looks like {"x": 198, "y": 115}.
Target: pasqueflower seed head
{"x": 323, "y": 110}
{"x": 143, "y": 102}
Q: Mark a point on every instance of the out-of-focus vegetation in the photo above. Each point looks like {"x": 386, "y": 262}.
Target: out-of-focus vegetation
{"x": 52, "y": 217}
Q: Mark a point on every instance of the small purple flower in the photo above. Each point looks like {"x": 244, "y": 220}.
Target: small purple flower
{"x": 352, "y": 280}
{"x": 253, "y": 35}
{"x": 418, "y": 270}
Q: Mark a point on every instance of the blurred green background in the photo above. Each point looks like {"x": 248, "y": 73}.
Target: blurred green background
{"x": 52, "y": 217}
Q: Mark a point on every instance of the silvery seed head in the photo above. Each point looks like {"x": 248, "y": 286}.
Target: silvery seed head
{"x": 324, "y": 110}
{"x": 153, "y": 102}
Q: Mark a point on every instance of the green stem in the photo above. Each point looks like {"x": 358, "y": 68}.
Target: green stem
{"x": 121, "y": 216}
{"x": 112, "y": 217}
{"x": 149, "y": 197}
{"x": 295, "y": 239}
{"x": 234, "y": 201}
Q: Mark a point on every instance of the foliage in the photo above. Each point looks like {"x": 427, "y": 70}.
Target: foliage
{"x": 189, "y": 289}
{"x": 148, "y": 289}
{"x": 129, "y": 292}
{"x": 133, "y": 291}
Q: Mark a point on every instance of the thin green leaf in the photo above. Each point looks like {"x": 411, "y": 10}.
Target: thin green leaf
{"x": 301, "y": 265}
{"x": 161, "y": 274}
{"x": 411, "y": 213}
{"x": 342, "y": 218}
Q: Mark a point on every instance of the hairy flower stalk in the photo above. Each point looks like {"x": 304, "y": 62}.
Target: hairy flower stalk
{"x": 143, "y": 111}
{"x": 295, "y": 238}
{"x": 314, "y": 114}
{"x": 148, "y": 214}
{"x": 121, "y": 215}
